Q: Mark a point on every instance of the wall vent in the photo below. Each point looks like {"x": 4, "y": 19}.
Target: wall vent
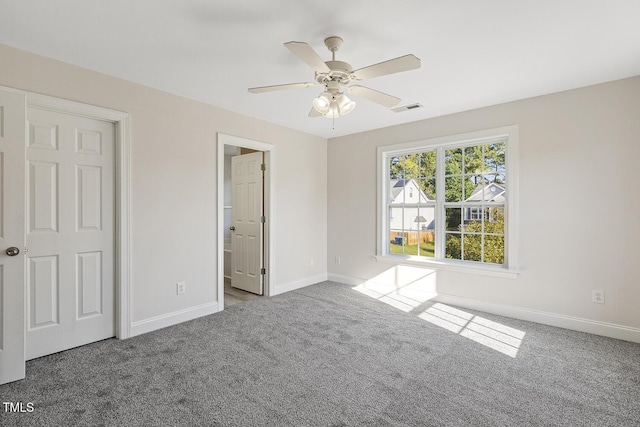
{"x": 406, "y": 108}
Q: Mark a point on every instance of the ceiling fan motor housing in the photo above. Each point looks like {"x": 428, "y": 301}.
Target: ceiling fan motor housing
{"x": 340, "y": 72}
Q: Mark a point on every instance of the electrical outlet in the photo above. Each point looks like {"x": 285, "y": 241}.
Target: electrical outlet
{"x": 181, "y": 288}
{"x": 597, "y": 296}
{"x": 310, "y": 261}
{"x": 337, "y": 260}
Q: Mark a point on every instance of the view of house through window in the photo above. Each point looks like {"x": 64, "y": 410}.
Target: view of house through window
{"x": 475, "y": 189}
{"x": 454, "y": 194}
{"x": 412, "y": 200}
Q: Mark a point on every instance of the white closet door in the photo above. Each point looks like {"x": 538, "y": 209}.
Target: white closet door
{"x": 70, "y": 231}
{"x": 12, "y": 202}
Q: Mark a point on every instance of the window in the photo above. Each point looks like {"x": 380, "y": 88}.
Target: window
{"x": 450, "y": 200}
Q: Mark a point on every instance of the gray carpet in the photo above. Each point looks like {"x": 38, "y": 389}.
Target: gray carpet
{"x": 327, "y": 355}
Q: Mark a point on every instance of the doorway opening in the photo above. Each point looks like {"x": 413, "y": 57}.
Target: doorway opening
{"x": 245, "y": 219}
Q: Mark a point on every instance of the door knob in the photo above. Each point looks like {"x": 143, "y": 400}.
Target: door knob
{"x": 232, "y": 228}
{"x": 12, "y": 251}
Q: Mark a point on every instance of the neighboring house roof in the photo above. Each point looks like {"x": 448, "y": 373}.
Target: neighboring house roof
{"x": 491, "y": 192}
{"x": 398, "y": 185}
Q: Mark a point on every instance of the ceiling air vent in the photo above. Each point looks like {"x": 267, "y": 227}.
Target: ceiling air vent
{"x": 406, "y": 108}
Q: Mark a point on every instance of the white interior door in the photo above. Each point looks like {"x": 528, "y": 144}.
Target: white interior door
{"x": 12, "y": 202}
{"x": 246, "y": 224}
{"x": 70, "y": 231}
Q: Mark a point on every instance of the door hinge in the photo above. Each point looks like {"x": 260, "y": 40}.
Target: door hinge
{"x": 263, "y": 271}
{"x": 263, "y": 167}
{"x": 263, "y": 219}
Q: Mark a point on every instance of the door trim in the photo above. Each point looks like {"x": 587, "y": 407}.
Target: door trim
{"x": 269, "y": 201}
{"x": 122, "y": 202}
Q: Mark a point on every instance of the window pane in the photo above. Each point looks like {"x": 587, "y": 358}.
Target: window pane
{"x": 453, "y": 247}
{"x": 453, "y": 161}
{"x": 453, "y": 189}
{"x": 398, "y": 223}
{"x": 472, "y": 220}
{"x": 494, "y": 249}
{"x": 397, "y": 239}
{"x": 431, "y": 188}
{"x": 411, "y": 162}
{"x": 494, "y": 162}
{"x": 472, "y": 247}
{"x": 411, "y": 191}
{"x": 473, "y": 164}
{"x": 492, "y": 193}
{"x": 425, "y": 232}
{"x": 403, "y": 167}
{"x": 428, "y": 188}
{"x": 392, "y": 164}
{"x": 453, "y": 219}
{"x": 429, "y": 214}
{"x": 473, "y": 188}
{"x": 395, "y": 191}
{"x": 494, "y": 220}
{"x": 395, "y": 219}
{"x": 474, "y": 173}
{"x": 427, "y": 164}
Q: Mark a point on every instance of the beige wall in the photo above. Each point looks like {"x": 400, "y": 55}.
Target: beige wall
{"x": 578, "y": 228}
{"x": 577, "y": 167}
{"x": 173, "y": 163}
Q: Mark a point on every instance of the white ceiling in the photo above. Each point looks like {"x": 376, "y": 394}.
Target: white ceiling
{"x": 474, "y": 52}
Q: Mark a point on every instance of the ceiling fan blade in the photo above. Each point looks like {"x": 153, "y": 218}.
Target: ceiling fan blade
{"x": 307, "y": 54}
{"x": 280, "y": 87}
{"x": 314, "y": 113}
{"x": 397, "y": 65}
{"x": 374, "y": 96}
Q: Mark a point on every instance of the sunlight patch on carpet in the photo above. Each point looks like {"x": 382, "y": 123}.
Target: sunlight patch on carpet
{"x": 410, "y": 289}
{"x": 491, "y": 334}
{"x": 402, "y": 287}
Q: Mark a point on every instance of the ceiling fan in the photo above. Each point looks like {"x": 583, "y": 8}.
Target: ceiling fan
{"x": 336, "y": 75}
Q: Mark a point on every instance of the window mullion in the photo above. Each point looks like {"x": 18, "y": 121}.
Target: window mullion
{"x": 482, "y": 232}
{"x": 440, "y": 213}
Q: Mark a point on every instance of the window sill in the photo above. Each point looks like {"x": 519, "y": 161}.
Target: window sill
{"x": 485, "y": 270}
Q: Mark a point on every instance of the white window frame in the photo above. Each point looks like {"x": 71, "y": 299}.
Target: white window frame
{"x": 508, "y": 134}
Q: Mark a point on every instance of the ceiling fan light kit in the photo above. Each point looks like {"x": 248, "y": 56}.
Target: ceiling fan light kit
{"x": 345, "y": 105}
{"x": 322, "y": 102}
{"x": 335, "y": 75}
{"x": 333, "y": 106}
{"x": 339, "y": 105}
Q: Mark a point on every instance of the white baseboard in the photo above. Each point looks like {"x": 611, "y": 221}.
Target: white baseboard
{"x": 595, "y": 327}
{"x": 347, "y": 280}
{"x": 164, "y": 320}
{"x": 297, "y": 284}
